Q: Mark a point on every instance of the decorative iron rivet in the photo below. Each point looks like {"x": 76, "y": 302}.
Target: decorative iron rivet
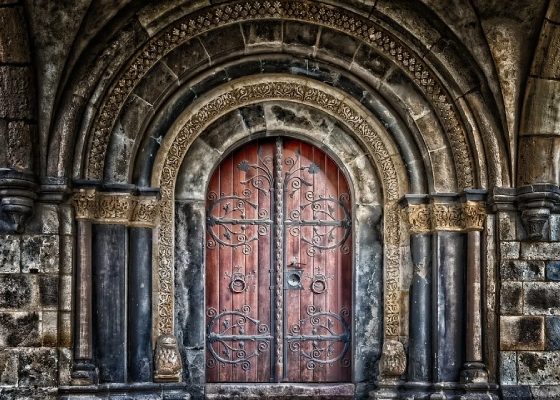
{"x": 294, "y": 280}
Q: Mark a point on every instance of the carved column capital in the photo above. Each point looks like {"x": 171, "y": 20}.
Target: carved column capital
{"x": 393, "y": 359}
{"x": 474, "y": 213}
{"x": 113, "y": 208}
{"x": 419, "y": 218}
{"x": 447, "y": 217}
{"x": 84, "y": 201}
{"x": 145, "y": 212}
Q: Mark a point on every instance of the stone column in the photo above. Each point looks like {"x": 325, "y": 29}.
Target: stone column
{"x": 139, "y": 296}
{"x": 84, "y": 371}
{"x": 474, "y": 211}
{"x": 419, "y": 349}
{"x": 448, "y": 249}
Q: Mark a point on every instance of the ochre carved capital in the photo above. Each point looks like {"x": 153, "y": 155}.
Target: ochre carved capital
{"x": 116, "y": 208}
{"x": 474, "y": 215}
{"x": 113, "y": 208}
{"x": 447, "y": 217}
{"x": 84, "y": 201}
{"x": 144, "y": 213}
{"x": 419, "y": 218}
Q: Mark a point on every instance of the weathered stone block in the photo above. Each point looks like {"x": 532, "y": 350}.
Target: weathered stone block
{"x": 538, "y": 368}
{"x": 553, "y": 270}
{"x": 38, "y": 367}
{"x": 507, "y": 225}
{"x": 508, "y": 367}
{"x": 48, "y": 290}
{"x": 16, "y": 90}
{"x": 44, "y": 220}
{"x": 541, "y": 298}
{"x": 223, "y": 41}
{"x": 297, "y": 33}
{"x": 14, "y": 47}
{"x": 511, "y": 299}
{"x": 540, "y": 251}
{"x": 40, "y": 253}
{"x": 552, "y": 333}
{"x": 8, "y": 367}
{"x": 65, "y": 329}
{"x": 262, "y": 32}
{"x": 15, "y": 291}
{"x": 337, "y": 43}
{"x": 9, "y": 254}
{"x": 65, "y": 293}
{"x": 19, "y": 329}
{"x": 522, "y": 333}
{"x": 519, "y": 270}
{"x": 64, "y": 366}
{"x": 49, "y": 328}
{"x": 509, "y": 250}
{"x": 554, "y": 226}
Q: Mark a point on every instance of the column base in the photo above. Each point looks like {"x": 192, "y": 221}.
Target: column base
{"x": 474, "y": 372}
{"x": 84, "y": 373}
{"x": 417, "y": 390}
{"x": 387, "y": 389}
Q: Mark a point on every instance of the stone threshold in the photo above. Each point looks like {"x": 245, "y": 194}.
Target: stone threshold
{"x": 280, "y": 391}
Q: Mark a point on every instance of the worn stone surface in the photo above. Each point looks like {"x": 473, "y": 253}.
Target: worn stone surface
{"x": 553, "y": 270}
{"x": 537, "y": 368}
{"x": 40, "y": 253}
{"x": 517, "y": 270}
{"x": 509, "y": 250}
{"x": 9, "y": 254}
{"x": 38, "y": 367}
{"x": 20, "y": 329}
{"x": 541, "y": 298}
{"x": 511, "y": 299}
{"x": 508, "y": 367}
{"x": 522, "y": 333}
{"x": 552, "y": 333}
{"x": 15, "y": 291}
{"x": 540, "y": 251}
{"x": 16, "y": 90}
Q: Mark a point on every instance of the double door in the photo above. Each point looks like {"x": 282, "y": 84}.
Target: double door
{"x": 278, "y": 266}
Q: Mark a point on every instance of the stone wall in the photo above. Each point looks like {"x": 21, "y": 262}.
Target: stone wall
{"x": 35, "y": 306}
{"x": 529, "y": 328}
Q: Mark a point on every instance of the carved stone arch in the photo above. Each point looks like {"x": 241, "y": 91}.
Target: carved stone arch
{"x": 364, "y": 29}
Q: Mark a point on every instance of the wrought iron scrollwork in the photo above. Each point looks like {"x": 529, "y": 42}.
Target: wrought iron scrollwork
{"x": 324, "y": 210}
{"x": 227, "y": 339}
{"x": 228, "y": 213}
{"x": 328, "y": 334}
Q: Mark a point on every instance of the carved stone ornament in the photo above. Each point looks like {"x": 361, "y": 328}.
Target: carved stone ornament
{"x": 393, "y": 359}
{"x": 419, "y": 218}
{"x": 474, "y": 213}
{"x": 167, "y": 360}
{"x": 115, "y": 208}
{"x": 534, "y": 220}
{"x": 84, "y": 202}
{"x": 447, "y": 217}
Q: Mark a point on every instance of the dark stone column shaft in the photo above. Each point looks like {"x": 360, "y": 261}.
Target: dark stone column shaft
{"x": 139, "y": 317}
{"x": 448, "y": 329}
{"x": 420, "y": 349}
{"x": 473, "y": 298}
{"x": 110, "y": 252}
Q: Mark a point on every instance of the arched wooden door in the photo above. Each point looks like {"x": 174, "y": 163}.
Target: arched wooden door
{"x": 278, "y": 266}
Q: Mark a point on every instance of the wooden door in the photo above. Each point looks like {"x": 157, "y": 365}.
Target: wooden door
{"x": 278, "y": 266}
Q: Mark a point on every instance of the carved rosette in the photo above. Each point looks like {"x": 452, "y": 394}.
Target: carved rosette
{"x": 419, "y": 218}
{"x": 167, "y": 360}
{"x": 393, "y": 360}
{"x": 115, "y": 208}
{"x": 447, "y": 217}
{"x": 474, "y": 214}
